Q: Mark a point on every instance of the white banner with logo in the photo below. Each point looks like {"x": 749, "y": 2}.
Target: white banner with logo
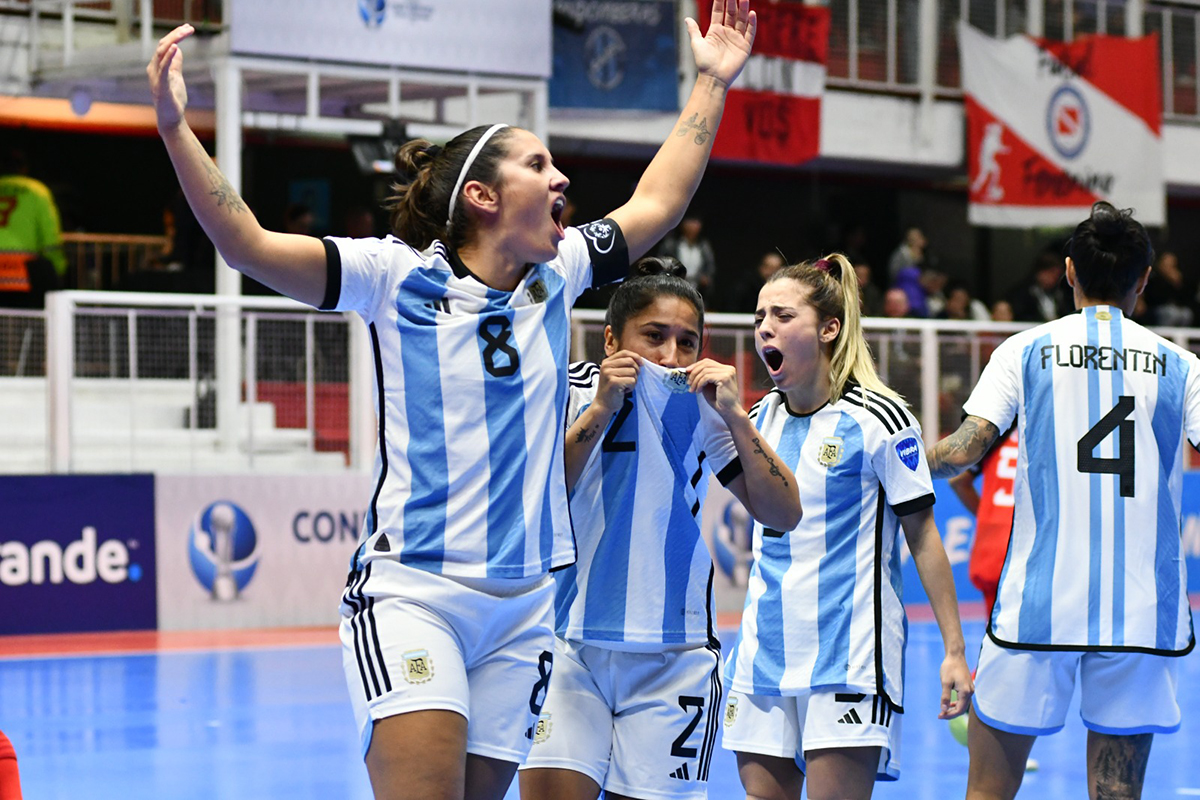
{"x": 508, "y": 38}
{"x": 250, "y": 551}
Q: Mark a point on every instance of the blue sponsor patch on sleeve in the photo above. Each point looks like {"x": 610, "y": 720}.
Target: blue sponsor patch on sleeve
{"x": 909, "y": 451}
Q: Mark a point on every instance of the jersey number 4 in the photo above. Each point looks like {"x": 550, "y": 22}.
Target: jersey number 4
{"x": 1115, "y": 420}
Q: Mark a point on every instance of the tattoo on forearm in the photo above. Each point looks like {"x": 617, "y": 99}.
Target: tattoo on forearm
{"x": 701, "y": 128}
{"x": 758, "y": 448}
{"x": 221, "y": 190}
{"x": 962, "y": 448}
{"x": 585, "y": 435}
{"x": 1120, "y": 765}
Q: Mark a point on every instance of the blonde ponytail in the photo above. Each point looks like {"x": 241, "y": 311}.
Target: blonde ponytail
{"x": 834, "y": 294}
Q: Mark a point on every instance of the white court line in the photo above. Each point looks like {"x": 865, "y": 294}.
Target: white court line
{"x": 1191, "y": 792}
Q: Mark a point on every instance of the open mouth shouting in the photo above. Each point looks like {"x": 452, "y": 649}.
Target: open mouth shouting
{"x": 556, "y": 212}
{"x": 773, "y": 359}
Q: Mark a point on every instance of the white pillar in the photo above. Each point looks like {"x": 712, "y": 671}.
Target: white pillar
{"x": 60, "y": 369}
{"x": 227, "y": 80}
{"x": 927, "y": 39}
{"x": 1035, "y": 18}
{"x": 364, "y": 429}
{"x": 1134, "y": 16}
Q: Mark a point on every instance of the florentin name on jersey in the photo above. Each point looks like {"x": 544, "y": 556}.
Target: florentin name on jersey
{"x": 1109, "y": 359}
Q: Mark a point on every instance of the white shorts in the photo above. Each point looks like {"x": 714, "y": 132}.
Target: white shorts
{"x": 638, "y": 724}
{"x": 1028, "y": 691}
{"x": 788, "y": 727}
{"x": 414, "y": 641}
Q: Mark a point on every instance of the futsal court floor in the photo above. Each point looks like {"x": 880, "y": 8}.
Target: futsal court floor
{"x": 265, "y": 714}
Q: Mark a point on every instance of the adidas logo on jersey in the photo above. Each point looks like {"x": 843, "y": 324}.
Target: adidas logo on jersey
{"x": 851, "y": 717}
{"x": 681, "y": 773}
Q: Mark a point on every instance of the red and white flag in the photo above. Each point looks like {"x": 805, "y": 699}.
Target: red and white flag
{"x": 1053, "y": 127}
{"x": 773, "y": 110}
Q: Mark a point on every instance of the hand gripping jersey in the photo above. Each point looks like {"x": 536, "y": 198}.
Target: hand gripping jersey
{"x": 823, "y": 606}
{"x": 644, "y": 574}
{"x": 471, "y": 392}
{"x": 1095, "y": 561}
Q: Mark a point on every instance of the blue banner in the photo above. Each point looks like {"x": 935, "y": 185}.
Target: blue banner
{"x": 957, "y": 527}
{"x": 77, "y": 553}
{"x": 615, "y": 54}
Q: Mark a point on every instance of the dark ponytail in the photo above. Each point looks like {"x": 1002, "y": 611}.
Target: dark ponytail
{"x": 649, "y": 278}
{"x": 1110, "y": 250}
{"x": 425, "y": 177}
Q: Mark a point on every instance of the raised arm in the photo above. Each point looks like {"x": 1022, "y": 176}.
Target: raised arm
{"x": 288, "y": 263}
{"x": 963, "y": 448}
{"x": 666, "y": 187}
{"x": 766, "y": 487}
{"x": 933, "y": 567}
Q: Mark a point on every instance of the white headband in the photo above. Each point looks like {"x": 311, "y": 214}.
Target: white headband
{"x": 462, "y": 174}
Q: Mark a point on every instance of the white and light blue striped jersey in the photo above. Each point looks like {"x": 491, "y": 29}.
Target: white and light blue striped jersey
{"x": 823, "y": 607}
{"x": 471, "y": 390}
{"x": 644, "y": 574}
{"x": 1095, "y": 561}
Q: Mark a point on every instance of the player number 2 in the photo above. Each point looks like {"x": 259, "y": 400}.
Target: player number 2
{"x": 1115, "y": 420}
{"x": 496, "y": 333}
{"x": 677, "y": 747}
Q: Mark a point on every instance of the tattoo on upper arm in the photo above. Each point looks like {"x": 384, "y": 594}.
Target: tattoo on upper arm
{"x": 962, "y": 448}
{"x": 758, "y": 448}
{"x": 701, "y": 128}
{"x": 221, "y": 190}
{"x": 1119, "y": 766}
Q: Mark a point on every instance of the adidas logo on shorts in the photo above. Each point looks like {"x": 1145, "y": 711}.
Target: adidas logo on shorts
{"x": 681, "y": 773}
{"x": 851, "y": 717}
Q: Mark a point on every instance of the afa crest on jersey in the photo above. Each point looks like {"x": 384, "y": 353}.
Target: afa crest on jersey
{"x": 418, "y": 666}
{"x": 541, "y": 729}
{"x": 829, "y": 452}
{"x": 676, "y": 380}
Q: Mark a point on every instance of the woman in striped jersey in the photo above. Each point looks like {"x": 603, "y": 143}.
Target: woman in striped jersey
{"x": 816, "y": 675}
{"x": 636, "y": 694}
{"x": 447, "y": 614}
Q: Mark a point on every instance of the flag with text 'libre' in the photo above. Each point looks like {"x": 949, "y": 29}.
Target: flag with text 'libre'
{"x": 773, "y": 110}
{"x": 1052, "y": 127}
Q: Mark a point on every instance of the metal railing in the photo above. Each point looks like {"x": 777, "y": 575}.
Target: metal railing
{"x": 114, "y": 382}
{"x": 103, "y": 260}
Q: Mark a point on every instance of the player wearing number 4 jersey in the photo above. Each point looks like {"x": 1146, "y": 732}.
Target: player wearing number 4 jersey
{"x": 1094, "y": 580}
{"x": 446, "y": 617}
{"x": 636, "y": 695}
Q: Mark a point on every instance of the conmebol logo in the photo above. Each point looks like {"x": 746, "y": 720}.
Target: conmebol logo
{"x": 80, "y": 562}
{"x": 223, "y": 549}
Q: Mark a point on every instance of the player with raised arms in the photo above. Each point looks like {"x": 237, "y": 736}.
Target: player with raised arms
{"x": 816, "y": 675}
{"x": 634, "y": 705}
{"x": 1094, "y": 585}
{"x": 447, "y": 617}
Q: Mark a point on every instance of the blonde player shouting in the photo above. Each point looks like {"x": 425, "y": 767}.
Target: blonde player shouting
{"x": 634, "y": 705}
{"x": 447, "y": 614}
{"x": 1094, "y": 583}
{"x": 816, "y": 675}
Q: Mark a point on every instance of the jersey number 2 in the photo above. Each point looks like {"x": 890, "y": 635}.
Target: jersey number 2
{"x": 1115, "y": 420}
{"x": 496, "y": 332}
{"x": 677, "y": 747}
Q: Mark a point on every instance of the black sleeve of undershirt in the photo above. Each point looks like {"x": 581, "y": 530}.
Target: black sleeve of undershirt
{"x": 333, "y": 276}
{"x": 913, "y": 506}
{"x": 731, "y": 471}
{"x": 608, "y": 251}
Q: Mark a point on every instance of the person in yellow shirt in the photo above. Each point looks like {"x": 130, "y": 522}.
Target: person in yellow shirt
{"x": 31, "y": 251}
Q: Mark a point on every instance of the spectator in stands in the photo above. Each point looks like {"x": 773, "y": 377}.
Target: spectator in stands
{"x": 1170, "y": 295}
{"x": 299, "y": 218}
{"x": 1042, "y": 297}
{"x": 1002, "y": 311}
{"x": 961, "y": 306}
{"x": 746, "y": 293}
{"x": 870, "y": 298}
{"x": 895, "y": 303}
{"x": 933, "y": 282}
{"x": 695, "y": 252}
{"x": 359, "y": 223}
{"x": 909, "y": 282}
{"x": 909, "y": 253}
{"x": 31, "y": 253}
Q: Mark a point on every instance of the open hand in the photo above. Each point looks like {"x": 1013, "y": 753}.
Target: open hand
{"x": 165, "y": 71}
{"x": 722, "y": 51}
